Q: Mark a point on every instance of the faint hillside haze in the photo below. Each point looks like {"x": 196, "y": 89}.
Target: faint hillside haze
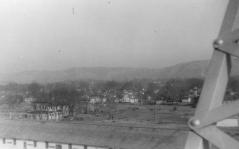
{"x": 194, "y": 69}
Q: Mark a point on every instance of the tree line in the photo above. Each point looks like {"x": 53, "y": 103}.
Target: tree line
{"x": 71, "y": 92}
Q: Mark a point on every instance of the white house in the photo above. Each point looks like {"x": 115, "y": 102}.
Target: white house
{"x": 129, "y": 97}
{"x": 187, "y": 100}
{"x": 95, "y": 100}
{"x": 29, "y": 99}
{"x": 8, "y": 143}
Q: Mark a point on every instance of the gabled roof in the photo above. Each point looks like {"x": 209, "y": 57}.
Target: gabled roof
{"x": 95, "y": 134}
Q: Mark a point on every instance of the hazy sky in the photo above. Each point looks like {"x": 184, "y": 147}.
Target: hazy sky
{"x": 57, "y": 34}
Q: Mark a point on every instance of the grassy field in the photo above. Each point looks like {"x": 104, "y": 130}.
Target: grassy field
{"x": 156, "y": 114}
{"x": 127, "y": 113}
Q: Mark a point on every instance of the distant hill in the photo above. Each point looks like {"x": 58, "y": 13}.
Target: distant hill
{"x": 194, "y": 69}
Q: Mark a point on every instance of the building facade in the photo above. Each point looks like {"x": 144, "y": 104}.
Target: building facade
{"x": 12, "y": 143}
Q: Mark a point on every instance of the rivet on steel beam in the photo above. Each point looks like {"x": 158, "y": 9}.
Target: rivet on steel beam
{"x": 194, "y": 122}
{"x": 217, "y": 43}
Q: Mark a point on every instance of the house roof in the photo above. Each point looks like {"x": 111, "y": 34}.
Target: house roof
{"x": 37, "y": 112}
{"x": 95, "y": 134}
{"x": 49, "y": 103}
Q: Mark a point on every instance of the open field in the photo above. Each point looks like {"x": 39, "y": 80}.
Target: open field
{"x": 124, "y": 113}
{"x": 148, "y": 114}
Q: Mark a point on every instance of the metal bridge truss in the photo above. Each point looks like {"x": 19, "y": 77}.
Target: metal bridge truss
{"x": 210, "y": 109}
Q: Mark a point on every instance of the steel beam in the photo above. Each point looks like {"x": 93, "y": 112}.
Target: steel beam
{"x": 228, "y": 43}
{"x": 196, "y": 142}
{"x": 219, "y": 113}
{"x": 210, "y": 103}
{"x": 218, "y": 138}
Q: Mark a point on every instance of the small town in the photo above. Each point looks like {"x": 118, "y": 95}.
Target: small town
{"x": 101, "y": 100}
{"x": 136, "y": 103}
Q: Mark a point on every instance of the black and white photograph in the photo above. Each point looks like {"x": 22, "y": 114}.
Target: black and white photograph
{"x": 119, "y": 74}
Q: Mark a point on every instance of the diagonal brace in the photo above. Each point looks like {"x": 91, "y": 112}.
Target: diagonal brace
{"x": 222, "y": 112}
{"x": 228, "y": 43}
{"x": 218, "y": 137}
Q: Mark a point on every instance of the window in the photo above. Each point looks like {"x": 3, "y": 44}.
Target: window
{"x": 69, "y": 146}
{"x": 58, "y": 146}
{"x": 35, "y": 143}
{"x": 46, "y": 145}
{"x": 25, "y": 145}
{"x": 85, "y": 146}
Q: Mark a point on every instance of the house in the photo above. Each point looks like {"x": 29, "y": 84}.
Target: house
{"x": 47, "y": 107}
{"x": 104, "y": 100}
{"x": 195, "y": 92}
{"x": 116, "y": 100}
{"x": 159, "y": 102}
{"x": 81, "y": 107}
{"x": 95, "y": 100}
{"x": 29, "y": 100}
{"x": 134, "y": 100}
{"x": 129, "y": 97}
{"x": 12, "y": 143}
{"x": 2, "y": 94}
{"x": 91, "y": 108}
{"x": 191, "y": 97}
{"x": 42, "y": 116}
{"x": 187, "y": 100}
{"x": 47, "y": 111}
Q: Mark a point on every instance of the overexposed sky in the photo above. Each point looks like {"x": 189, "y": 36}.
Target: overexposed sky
{"x": 58, "y": 34}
